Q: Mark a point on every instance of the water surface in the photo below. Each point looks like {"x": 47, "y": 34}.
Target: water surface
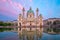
{"x": 15, "y": 36}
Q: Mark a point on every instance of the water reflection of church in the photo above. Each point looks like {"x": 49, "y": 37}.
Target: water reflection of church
{"x": 29, "y": 21}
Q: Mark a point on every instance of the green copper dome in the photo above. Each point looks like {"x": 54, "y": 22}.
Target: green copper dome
{"x": 30, "y": 11}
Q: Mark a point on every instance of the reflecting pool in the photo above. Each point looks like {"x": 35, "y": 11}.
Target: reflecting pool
{"x": 15, "y": 36}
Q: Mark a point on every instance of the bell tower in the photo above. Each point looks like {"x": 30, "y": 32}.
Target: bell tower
{"x": 37, "y": 10}
{"x": 23, "y": 11}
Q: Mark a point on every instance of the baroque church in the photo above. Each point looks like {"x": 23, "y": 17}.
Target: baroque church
{"x": 30, "y": 22}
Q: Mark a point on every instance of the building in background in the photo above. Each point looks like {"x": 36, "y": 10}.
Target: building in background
{"x": 51, "y": 23}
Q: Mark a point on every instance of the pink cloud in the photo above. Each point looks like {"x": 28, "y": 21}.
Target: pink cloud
{"x": 3, "y": 0}
{"x": 18, "y": 5}
{"x": 7, "y": 11}
{"x": 10, "y": 2}
{"x": 10, "y": 11}
{"x": 15, "y": 4}
{"x": 30, "y": 0}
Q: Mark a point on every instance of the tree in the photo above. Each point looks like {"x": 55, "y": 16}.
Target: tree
{"x": 1, "y": 23}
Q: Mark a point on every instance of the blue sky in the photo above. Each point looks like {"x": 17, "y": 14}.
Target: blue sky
{"x": 10, "y": 9}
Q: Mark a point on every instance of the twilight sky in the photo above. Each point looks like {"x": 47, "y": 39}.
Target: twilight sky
{"x": 9, "y": 9}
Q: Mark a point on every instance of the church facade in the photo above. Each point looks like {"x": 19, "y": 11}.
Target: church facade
{"x": 29, "y": 21}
